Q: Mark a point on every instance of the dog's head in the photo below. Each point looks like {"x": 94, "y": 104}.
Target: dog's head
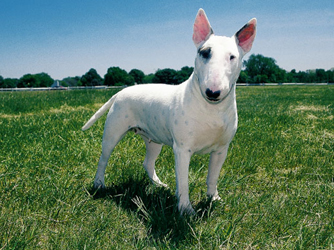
{"x": 219, "y": 59}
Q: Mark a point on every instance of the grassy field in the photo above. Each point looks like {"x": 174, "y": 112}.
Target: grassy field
{"x": 277, "y": 185}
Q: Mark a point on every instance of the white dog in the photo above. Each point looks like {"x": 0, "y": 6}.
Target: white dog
{"x": 197, "y": 116}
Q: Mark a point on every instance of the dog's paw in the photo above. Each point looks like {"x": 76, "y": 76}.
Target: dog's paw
{"x": 187, "y": 210}
{"x": 160, "y": 184}
{"x": 99, "y": 185}
{"x": 156, "y": 181}
{"x": 213, "y": 195}
{"x": 216, "y": 198}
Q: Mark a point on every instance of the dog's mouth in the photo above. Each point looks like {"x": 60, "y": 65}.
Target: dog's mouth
{"x": 212, "y": 100}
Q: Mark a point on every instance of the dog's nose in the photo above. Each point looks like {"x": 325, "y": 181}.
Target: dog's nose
{"x": 213, "y": 96}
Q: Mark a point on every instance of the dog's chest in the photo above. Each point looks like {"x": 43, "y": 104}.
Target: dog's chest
{"x": 206, "y": 132}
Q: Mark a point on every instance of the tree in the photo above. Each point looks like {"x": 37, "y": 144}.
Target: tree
{"x": 167, "y": 76}
{"x": 330, "y": 75}
{"x": 1, "y": 82}
{"x": 72, "y": 81}
{"x": 302, "y": 77}
{"x": 117, "y": 76}
{"x": 243, "y": 77}
{"x": 36, "y": 81}
{"x": 148, "y": 78}
{"x": 10, "y": 83}
{"x": 292, "y": 76}
{"x": 91, "y": 78}
{"x": 44, "y": 80}
{"x": 261, "y": 69}
{"x": 311, "y": 76}
{"x": 137, "y": 75}
{"x": 321, "y": 75}
{"x": 183, "y": 74}
{"x": 27, "y": 81}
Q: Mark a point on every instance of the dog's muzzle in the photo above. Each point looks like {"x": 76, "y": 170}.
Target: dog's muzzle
{"x": 219, "y": 100}
{"x": 214, "y": 97}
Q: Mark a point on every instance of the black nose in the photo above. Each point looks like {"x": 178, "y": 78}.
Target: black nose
{"x": 212, "y": 95}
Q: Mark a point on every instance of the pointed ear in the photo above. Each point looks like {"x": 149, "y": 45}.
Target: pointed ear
{"x": 245, "y": 36}
{"x": 202, "y": 29}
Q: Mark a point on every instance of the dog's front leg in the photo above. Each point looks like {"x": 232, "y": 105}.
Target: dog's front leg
{"x": 216, "y": 162}
{"x": 182, "y": 160}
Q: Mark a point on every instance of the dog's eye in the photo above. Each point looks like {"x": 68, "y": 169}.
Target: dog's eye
{"x": 232, "y": 57}
{"x": 205, "y": 53}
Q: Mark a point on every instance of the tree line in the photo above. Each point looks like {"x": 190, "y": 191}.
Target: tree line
{"x": 257, "y": 69}
{"x": 261, "y": 69}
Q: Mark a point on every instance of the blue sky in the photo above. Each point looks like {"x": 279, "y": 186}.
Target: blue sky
{"x": 67, "y": 38}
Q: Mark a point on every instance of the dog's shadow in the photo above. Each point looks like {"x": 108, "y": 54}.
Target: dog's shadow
{"x": 155, "y": 205}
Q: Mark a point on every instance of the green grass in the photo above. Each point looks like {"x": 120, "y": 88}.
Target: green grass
{"x": 277, "y": 185}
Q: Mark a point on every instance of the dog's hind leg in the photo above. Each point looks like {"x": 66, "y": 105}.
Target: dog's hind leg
{"x": 152, "y": 151}
{"x": 111, "y": 136}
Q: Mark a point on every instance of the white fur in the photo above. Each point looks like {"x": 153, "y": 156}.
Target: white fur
{"x": 182, "y": 116}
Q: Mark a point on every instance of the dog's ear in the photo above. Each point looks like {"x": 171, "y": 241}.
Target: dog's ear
{"x": 202, "y": 29}
{"x": 245, "y": 36}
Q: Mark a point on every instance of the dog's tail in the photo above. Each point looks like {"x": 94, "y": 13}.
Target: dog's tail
{"x": 99, "y": 113}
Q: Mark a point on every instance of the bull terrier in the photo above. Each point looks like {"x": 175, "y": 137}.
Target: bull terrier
{"x": 197, "y": 116}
